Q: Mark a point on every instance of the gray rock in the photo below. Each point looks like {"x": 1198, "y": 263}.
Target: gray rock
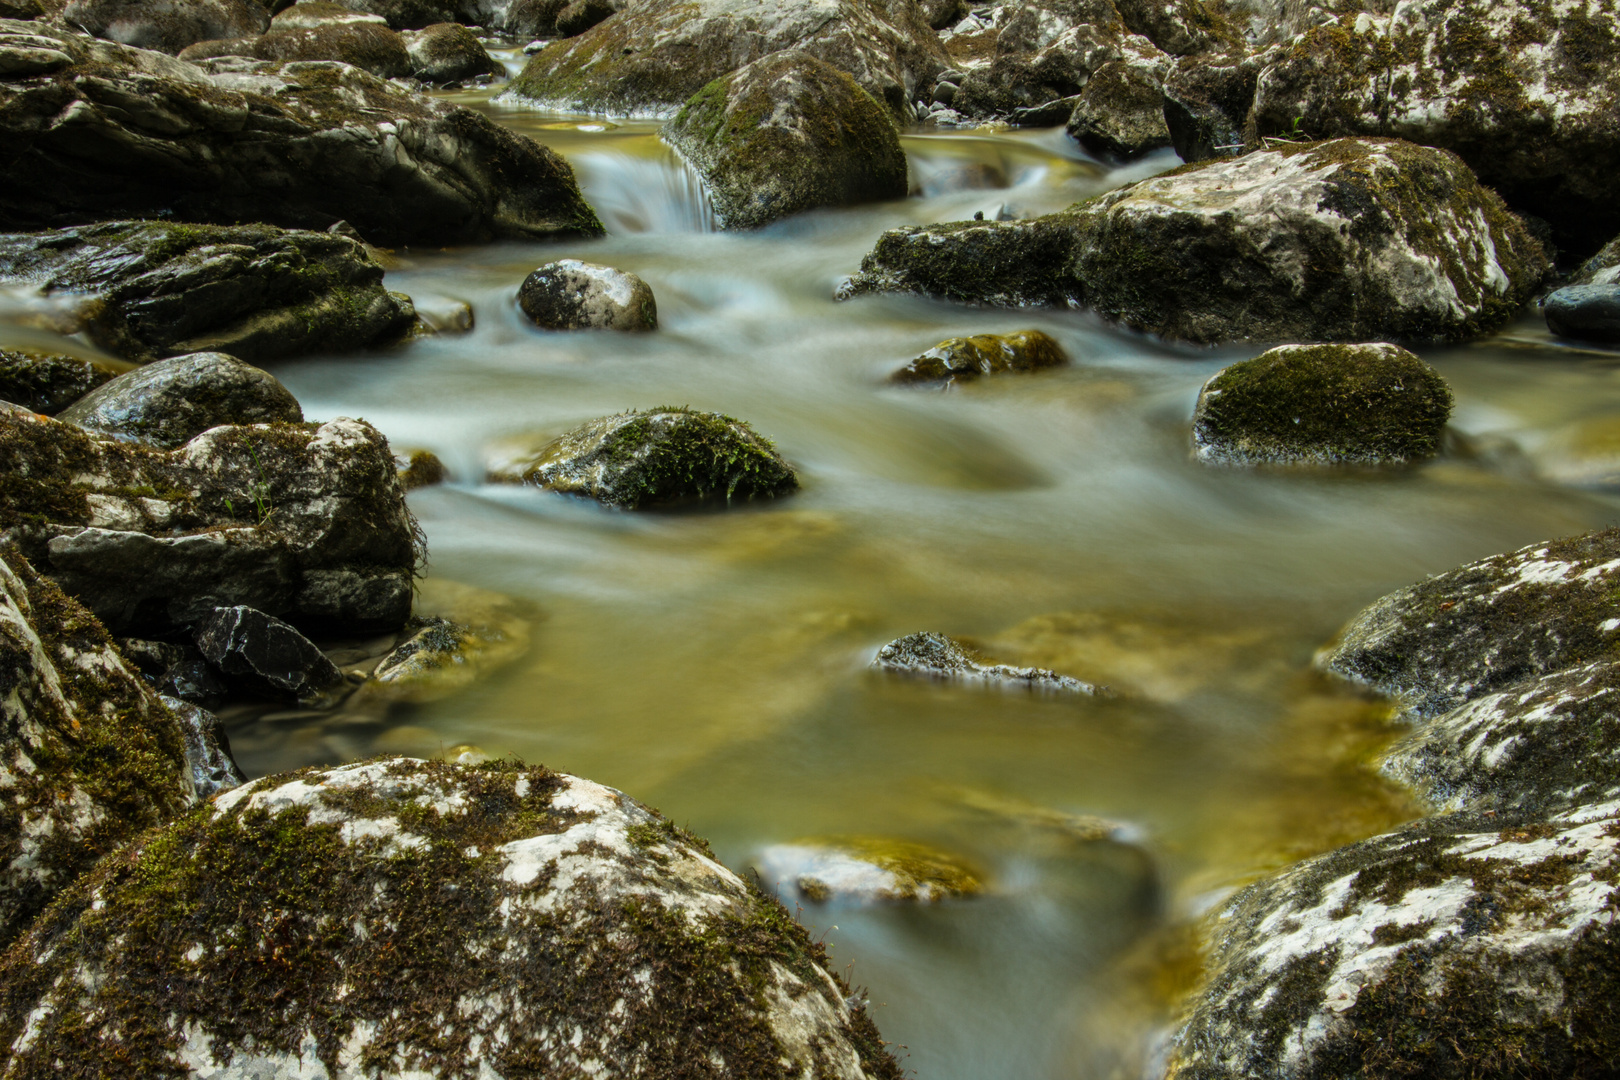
{"x": 448, "y": 53}
{"x": 262, "y": 655}
{"x": 1351, "y": 240}
{"x": 295, "y": 144}
{"x": 165, "y": 25}
{"x": 785, "y": 134}
{"x": 48, "y": 382}
{"x": 1444, "y": 949}
{"x": 1120, "y": 113}
{"x": 1373, "y": 404}
{"x": 306, "y": 522}
{"x": 1584, "y": 312}
{"x": 959, "y": 360}
{"x": 92, "y": 757}
{"x": 540, "y": 902}
{"x": 208, "y": 750}
{"x": 574, "y": 295}
{"x": 169, "y": 402}
{"x": 1485, "y": 626}
{"x": 935, "y": 656}
{"x": 155, "y": 289}
{"x": 642, "y": 459}
{"x": 367, "y": 46}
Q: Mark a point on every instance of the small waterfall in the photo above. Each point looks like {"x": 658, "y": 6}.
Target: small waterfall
{"x": 644, "y": 193}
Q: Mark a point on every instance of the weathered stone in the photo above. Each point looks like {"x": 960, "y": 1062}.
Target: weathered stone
{"x": 170, "y": 402}
{"x": 785, "y": 134}
{"x": 958, "y": 360}
{"x": 155, "y": 289}
{"x": 1206, "y": 103}
{"x": 1024, "y": 55}
{"x": 448, "y": 53}
{"x": 461, "y": 635}
{"x": 574, "y": 295}
{"x": 1439, "y": 950}
{"x": 866, "y": 869}
{"x": 1584, "y": 312}
{"x": 305, "y": 522}
{"x": 103, "y": 131}
{"x": 208, "y": 750}
{"x": 165, "y": 25}
{"x": 1351, "y": 240}
{"x": 308, "y": 14}
{"x": 262, "y": 655}
{"x": 91, "y": 756}
{"x": 364, "y": 45}
{"x": 580, "y": 15}
{"x": 48, "y": 382}
{"x": 935, "y": 656}
{"x": 1485, "y": 626}
{"x": 643, "y": 459}
{"x": 1373, "y": 404}
{"x": 1180, "y": 27}
{"x": 431, "y": 920}
{"x": 1120, "y": 113}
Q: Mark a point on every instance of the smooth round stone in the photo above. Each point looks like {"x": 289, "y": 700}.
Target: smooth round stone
{"x": 169, "y": 402}
{"x": 575, "y": 295}
{"x": 1584, "y": 312}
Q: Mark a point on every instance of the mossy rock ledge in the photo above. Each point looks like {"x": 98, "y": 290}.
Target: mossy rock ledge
{"x": 401, "y": 918}
{"x": 1349, "y": 240}
{"x": 1373, "y": 404}
{"x": 300, "y": 144}
{"x": 163, "y": 25}
{"x": 785, "y": 134}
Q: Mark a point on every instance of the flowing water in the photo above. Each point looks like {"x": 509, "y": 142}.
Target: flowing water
{"x": 715, "y": 664}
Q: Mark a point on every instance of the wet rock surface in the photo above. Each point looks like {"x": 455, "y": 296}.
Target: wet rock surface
{"x": 170, "y": 402}
{"x": 259, "y": 654}
{"x": 1584, "y": 312}
{"x": 866, "y": 869}
{"x": 48, "y": 382}
{"x": 785, "y": 134}
{"x": 448, "y": 53}
{"x": 539, "y": 901}
{"x": 367, "y": 46}
{"x": 166, "y": 26}
{"x": 958, "y": 360}
{"x": 157, "y": 289}
{"x": 208, "y": 749}
{"x": 935, "y": 656}
{"x": 574, "y": 295}
{"x": 1373, "y": 404}
{"x": 458, "y": 635}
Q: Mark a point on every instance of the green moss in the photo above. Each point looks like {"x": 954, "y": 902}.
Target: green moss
{"x": 964, "y": 359}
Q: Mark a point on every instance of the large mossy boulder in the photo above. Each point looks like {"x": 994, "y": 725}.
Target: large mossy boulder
{"x": 1120, "y": 113}
{"x": 447, "y": 53}
{"x": 1373, "y": 404}
{"x": 95, "y": 130}
{"x": 367, "y": 46}
{"x": 636, "y": 460}
{"x": 306, "y": 522}
{"x": 47, "y": 383}
{"x": 166, "y": 26}
{"x": 652, "y": 56}
{"x": 91, "y": 757}
{"x": 1349, "y": 240}
{"x": 1485, "y": 626}
{"x": 153, "y": 289}
{"x": 785, "y": 134}
{"x": 170, "y": 402}
{"x": 413, "y": 919}
{"x": 1447, "y": 949}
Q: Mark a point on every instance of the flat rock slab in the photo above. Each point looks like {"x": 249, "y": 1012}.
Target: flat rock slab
{"x": 170, "y": 402}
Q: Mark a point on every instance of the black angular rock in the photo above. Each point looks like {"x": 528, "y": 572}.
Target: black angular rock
{"x": 263, "y": 655}
{"x": 195, "y": 681}
{"x": 208, "y": 750}
{"x": 168, "y": 403}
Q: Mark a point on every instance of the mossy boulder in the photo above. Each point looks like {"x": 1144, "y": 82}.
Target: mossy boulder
{"x": 47, "y": 383}
{"x": 1373, "y": 404}
{"x": 169, "y": 402}
{"x": 1448, "y": 948}
{"x": 165, "y": 25}
{"x": 959, "y": 360}
{"x": 296, "y": 144}
{"x": 652, "y": 56}
{"x": 422, "y": 469}
{"x": 1584, "y": 312}
{"x": 659, "y": 457}
{"x": 1488, "y": 625}
{"x": 574, "y": 295}
{"x": 304, "y": 521}
{"x": 944, "y": 659}
{"x": 154, "y": 289}
{"x": 785, "y": 134}
{"x": 367, "y": 46}
{"x": 428, "y": 920}
{"x": 864, "y": 869}
{"x": 92, "y": 758}
{"x": 446, "y": 53}
{"x": 1350, "y": 240}
{"x": 1120, "y": 113}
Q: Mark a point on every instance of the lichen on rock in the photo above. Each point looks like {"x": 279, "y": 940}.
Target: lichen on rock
{"x": 572, "y": 295}
{"x": 364, "y": 45}
{"x": 1120, "y": 113}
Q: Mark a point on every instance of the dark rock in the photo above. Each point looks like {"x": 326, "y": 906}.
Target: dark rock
{"x": 47, "y": 382}
{"x": 531, "y": 18}
{"x": 448, "y": 53}
{"x": 944, "y": 92}
{"x": 306, "y": 522}
{"x": 257, "y": 292}
{"x": 94, "y": 131}
{"x": 195, "y": 681}
{"x": 262, "y": 655}
{"x": 458, "y": 635}
{"x": 959, "y": 360}
{"x": 208, "y": 750}
{"x": 169, "y": 402}
{"x": 1011, "y": 264}
{"x": 935, "y": 656}
{"x": 1205, "y": 106}
{"x": 166, "y": 26}
{"x": 571, "y": 908}
{"x": 1120, "y": 113}
{"x": 644, "y": 459}
{"x": 942, "y": 13}
{"x": 574, "y": 295}
{"x": 369, "y": 47}
{"x": 21, "y": 9}
{"x": 416, "y": 14}
{"x": 1584, "y": 312}
{"x": 1374, "y": 404}
{"x": 785, "y": 134}
{"x": 1602, "y": 268}
{"x": 1047, "y": 114}
{"x": 92, "y": 757}
{"x": 308, "y": 14}
{"x": 580, "y": 15}
{"x": 1483, "y": 627}
{"x": 151, "y": 658}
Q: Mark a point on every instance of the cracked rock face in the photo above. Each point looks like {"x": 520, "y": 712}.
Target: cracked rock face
{"x": 170, "y": 402}
{"x": 1438, "y": 950}
{"x": 493, "y": 920}
{"x": 97, "y": 130}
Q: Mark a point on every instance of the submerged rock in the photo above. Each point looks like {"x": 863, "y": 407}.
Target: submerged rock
{"x": 157, "y": 289}
{"x": 1356, "y": 239}
{"x": 936, "y": 656}
{"x": 448, "y": 53}
{"x": 165, "y": 25}
{"x": 642, "y": 459}
{"x": 170, "y": 402}
{"x": 458, "y": 635}
{"x": 262, "y": 655}
{"x": 1120, "y": 113}
{"x": 574, "y": 295}
{"x": 965, "y": 359}
{"x": 303, "y": 521}
{"x": 430, "y": 920}
{"x": 867, "y": 868}
{"x": 785, "y": 134}
{"x": 48, "y": 382}
{"x": 92, "y": 757}
{"x": 371, "y": 48}
{"x": 1371, "y": 404}
{"x": 1437, "y": 950}
{"x": 1487, "y": 625}
{"x": 1584, "y": 312}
